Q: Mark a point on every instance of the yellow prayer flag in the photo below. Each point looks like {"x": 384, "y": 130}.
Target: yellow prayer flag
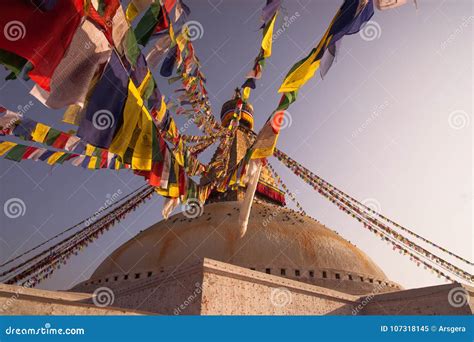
{"x": 300, "y": 75}
{"x": 172, "y": 130}
{"x": 182, "y": 38}
{"x": 178, "y": 153}
{"x": 131, "y": 12}
{"x": 265, "y": 142}
{"x": 161, "y": 191}
{"x": 171, "y": 32}
{"x": 268, "y": 38}
{"x": 72, "y": 115}
{"x": 173, "y": 190}
{"x": 40, "y": 132}
{"x": 6, "y": 146}
{"x": 89, "y": 150}
{"x": 54, "y": 158}
{"x": 145, "y": 82}
{"x": 131, "y": 115}
{"x": 161, "y": 114}
{"x": 92, "y": 163}
{"x": 142, "y": 153}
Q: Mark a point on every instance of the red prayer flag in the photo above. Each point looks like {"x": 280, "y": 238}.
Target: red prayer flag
{"x": 29, "y": 151}
{"x": 61, "y": 140}
{"x": 105, "y": 20}
{"x": 42, "y": 37}
{"x": 104, "y": 159}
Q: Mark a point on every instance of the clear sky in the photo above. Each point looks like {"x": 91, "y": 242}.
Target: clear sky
{"x": 391, "y": 124}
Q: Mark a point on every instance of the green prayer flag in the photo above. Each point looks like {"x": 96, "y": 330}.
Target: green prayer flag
{"x": 16, "y": 153}
{"x": 51, "y": 137}
{"x": 147, "y": 24}
{"x": 63, "y": 158}
{"x": 131, "y": 47}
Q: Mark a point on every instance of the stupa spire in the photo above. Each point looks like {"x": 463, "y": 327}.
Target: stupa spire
{"x": 267, "y": 189}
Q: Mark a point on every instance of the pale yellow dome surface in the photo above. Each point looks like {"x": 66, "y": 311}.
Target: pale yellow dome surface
{"x": 278, "y": 241}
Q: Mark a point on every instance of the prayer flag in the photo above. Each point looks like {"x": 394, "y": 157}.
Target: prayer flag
{"x": 24, "y": 28}
{"x": 169, "y": 62}
{"x": 255, "y": 167}
{"x": 40, "y": 132}
{"x": 104, "y": 112}
{"x": 154, "y": 20}
{"x": 346, "y": 21}
{"x": 132, "y": 114}
{"x": 5, "y": 146}
{"x": 268, "y": 38}
{"x": 352, "y": 17}
{"x": 72, "y": 78}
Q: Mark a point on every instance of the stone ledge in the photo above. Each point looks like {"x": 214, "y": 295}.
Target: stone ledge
{"x": 43, "y": 305}
{"x": 420, "y": 292}
{"x": 237, "y": 272}
{"x": 221, "y": 268}
{"x": 67, "y": 296}
{"x": 159, "y": 279}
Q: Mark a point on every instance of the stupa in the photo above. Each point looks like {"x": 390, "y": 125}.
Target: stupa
{"x": 286, "y": 264}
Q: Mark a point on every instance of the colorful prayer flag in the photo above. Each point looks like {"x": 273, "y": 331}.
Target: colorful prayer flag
{"x": 346, "y": 21}
{"x": 104, "y": 112}
{"x": 154, "y": 20}
{"x": 24, "y": 28}
{"x": 72, "y": 77}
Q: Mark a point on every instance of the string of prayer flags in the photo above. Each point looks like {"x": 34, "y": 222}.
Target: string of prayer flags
{"x": 298, "y": 169}
{"x": 24, "y": 28}
{"x": 269, "y": 15}
{"x": 200, "y": 147}
{"x": 14, "y": 124}
{"x": 18, "y": 152}
{"x": 346, "y": 21}
{"x": 285, "y": 188}
{"x": 49, "y": 259}
{"x": 140, "y": 156}
{"x": 371, "y": 218}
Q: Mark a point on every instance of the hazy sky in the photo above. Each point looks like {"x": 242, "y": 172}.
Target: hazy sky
{"x": 391, "y": 124}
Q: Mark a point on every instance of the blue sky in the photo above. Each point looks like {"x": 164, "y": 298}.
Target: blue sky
{"x": 391, "y": 124}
